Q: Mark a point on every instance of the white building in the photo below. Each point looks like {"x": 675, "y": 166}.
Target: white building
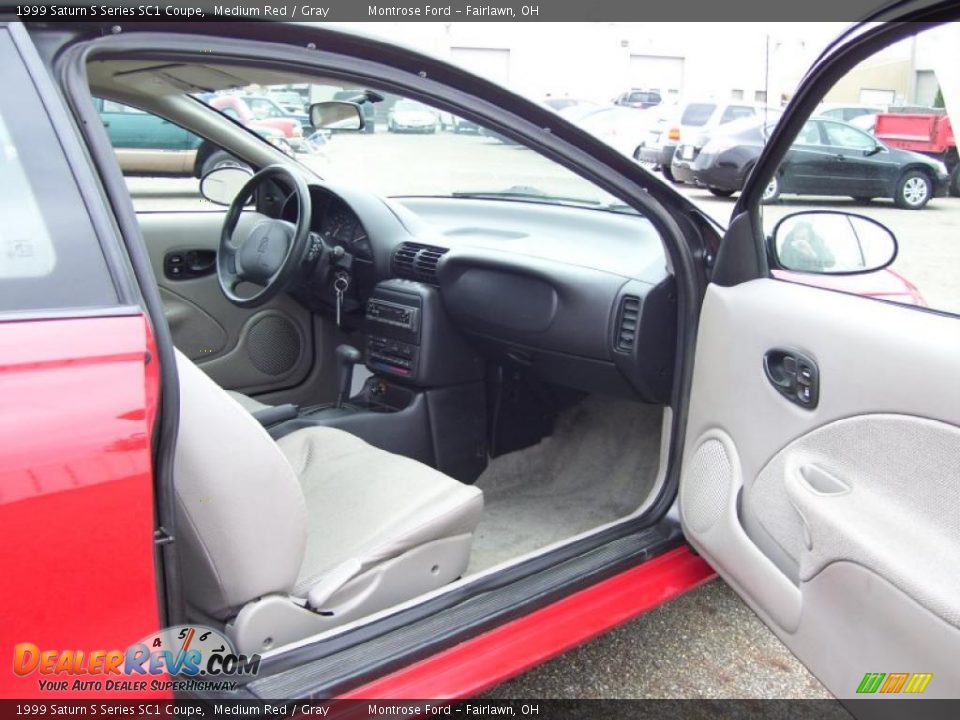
{"x": 597, "y": 61}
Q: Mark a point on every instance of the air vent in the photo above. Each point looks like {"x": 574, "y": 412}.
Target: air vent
{"x": 417, "y": 262}
{"x": 627, "y": 320}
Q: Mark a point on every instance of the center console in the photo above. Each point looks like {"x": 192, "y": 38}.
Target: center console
{"x": 426, "y": 398}
{"x": 410, "y": 337}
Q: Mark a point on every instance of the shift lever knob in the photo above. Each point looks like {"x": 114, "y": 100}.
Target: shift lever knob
{"x": 347, "y": 357}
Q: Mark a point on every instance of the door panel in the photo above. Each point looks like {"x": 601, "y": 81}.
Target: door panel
{"x": 840, "y": 525}
{"x": 255, "y": 350}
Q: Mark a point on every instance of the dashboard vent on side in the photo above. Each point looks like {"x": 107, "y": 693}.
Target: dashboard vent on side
{"x": 627, "y": 319}
{"x": 417, "y": 262}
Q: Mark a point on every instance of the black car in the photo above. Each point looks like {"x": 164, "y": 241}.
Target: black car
{"x": 827, "y": 158}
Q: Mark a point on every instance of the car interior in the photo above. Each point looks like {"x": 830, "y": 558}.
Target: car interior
{"x": 382, "y": 397}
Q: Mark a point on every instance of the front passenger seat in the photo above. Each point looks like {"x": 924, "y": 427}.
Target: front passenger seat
{"x": 282, "y": 540}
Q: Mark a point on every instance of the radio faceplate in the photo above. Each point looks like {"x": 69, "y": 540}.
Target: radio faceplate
{"x": 410, "y": 338}
{"x": 402, "y": 316}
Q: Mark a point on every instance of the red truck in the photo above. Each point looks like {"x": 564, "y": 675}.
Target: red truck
{"x": 929, "y": 133}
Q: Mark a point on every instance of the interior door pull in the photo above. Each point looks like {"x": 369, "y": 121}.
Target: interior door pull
{"x": 187, "y": 264}
{"x": 795, "y": 376}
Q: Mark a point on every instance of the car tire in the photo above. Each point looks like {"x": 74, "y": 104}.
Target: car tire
{"x": 221, "y": 158}
{"x": 914, "y": 190}
{"x": 955, "y": 181}
{"x": 771, "y": 193}
{"x": 668, "y": 174}
{"x": 721, "y": 193}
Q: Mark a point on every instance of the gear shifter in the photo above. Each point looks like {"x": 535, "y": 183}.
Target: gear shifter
{"x": 347, "y": 357}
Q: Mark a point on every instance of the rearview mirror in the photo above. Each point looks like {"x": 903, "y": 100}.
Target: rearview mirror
{"x": 832, "y": 243}
{"x": 336, "y": 115}
{"x": 221, "y": 185}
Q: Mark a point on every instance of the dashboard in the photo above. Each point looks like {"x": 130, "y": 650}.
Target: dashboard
{"x": 583, "y": 298}
{"x": 334, "y": 221}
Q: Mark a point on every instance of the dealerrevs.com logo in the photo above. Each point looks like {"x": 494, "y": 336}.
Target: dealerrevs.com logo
{"x": 183, "y": 657}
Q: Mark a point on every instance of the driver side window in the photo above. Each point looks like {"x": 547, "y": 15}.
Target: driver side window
{"x": 161, "y": 162}
{"x": 847, "y": 137}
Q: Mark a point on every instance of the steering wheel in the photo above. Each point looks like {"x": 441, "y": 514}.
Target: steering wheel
{"x": 273, "y": 251}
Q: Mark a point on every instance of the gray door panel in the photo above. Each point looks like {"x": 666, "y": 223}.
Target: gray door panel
{"x": 256, "y": 350}
{"x": 839, "y": 525}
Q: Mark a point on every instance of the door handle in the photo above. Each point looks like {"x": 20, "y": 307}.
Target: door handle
{"x": 840, "y": 156}
{"x": 187, "y": 264}
{"x": 795, "y": 375}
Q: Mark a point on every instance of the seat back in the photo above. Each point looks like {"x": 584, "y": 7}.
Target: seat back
{"x": 240, "y": 512}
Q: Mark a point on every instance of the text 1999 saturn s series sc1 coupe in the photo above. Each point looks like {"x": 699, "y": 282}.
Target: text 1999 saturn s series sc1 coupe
{"x": 409, "y": 443}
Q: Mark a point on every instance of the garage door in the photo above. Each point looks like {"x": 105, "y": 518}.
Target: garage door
{"x": 927, "y": 87}
{"x": 490, "y": 63}
{"x": 657, "y": 72}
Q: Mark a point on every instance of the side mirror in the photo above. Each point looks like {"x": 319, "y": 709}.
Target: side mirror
{"x": 336, "y": 115}
{"x": 832, "y": 243}
{"x": 222, "y": 184}
{"x": 875, "y": 150}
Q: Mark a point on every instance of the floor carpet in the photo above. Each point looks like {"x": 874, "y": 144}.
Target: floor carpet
{"x": 599, "y": 465}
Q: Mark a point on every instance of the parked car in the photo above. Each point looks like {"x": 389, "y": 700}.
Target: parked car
{"x": 559, "y": 104}
{"x": 640, "y": 99}
{"x": 575, "y": 112}
{"x": 622, "y": 127}
{"x": 846, "y": 113}
{"x": 235, "y": 107}
{"x": 290, "y": 101}
{"x": 412, "y": 116}
{"x": 265, "y": 107}
{"x": 827, "y": 158}
{"x": 462, "y": 125}
{"x": 693, "y": 140}
{"x": 690, "y": 122}
{"x": 625, "y": 396}
{"x": 146, "y": 144}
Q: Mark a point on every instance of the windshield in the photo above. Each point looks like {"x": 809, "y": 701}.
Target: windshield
{"x": 697, "y": 114}
{"x": 409, "y": 148}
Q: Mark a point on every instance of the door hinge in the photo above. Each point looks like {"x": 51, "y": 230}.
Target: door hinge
{"x": 161, "y": 536}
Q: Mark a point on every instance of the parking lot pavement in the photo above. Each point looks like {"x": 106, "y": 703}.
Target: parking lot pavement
{"x": 704, "y": 644}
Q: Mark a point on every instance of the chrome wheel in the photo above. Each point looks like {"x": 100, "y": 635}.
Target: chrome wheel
{"x": 772, "y": 191}
{"x": 915, "y": 191}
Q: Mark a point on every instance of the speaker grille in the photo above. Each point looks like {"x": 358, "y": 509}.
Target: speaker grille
{"x": 273, "y": 345}
{"x": 706, "y": 485}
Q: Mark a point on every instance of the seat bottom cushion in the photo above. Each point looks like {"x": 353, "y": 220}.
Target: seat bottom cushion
{"x": 367, "y": 504}
{"x": 247, "y": 402}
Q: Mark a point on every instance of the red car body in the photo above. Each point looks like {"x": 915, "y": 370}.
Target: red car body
{"x": 882, "y": 285}
{"x": 289, "y": 127}
{"x": 76, "y": 486}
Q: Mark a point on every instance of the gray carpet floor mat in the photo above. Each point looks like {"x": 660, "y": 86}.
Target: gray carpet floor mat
{"x": 598, "y": 466}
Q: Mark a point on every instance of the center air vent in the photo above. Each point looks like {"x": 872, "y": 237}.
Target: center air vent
{"x": 627, "y": 319}
{"x": 417, "y": 262}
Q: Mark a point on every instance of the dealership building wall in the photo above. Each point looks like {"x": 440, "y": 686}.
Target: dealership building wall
{"x": 598, "y": 61}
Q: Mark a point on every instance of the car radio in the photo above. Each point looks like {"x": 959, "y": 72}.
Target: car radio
{"x": 410, "y": 338}
{"x": 391, "y": 313}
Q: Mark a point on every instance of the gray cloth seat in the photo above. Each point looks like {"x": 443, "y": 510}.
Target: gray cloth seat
{"x": 280, "y": 540}
{"x": 247, "y": 402}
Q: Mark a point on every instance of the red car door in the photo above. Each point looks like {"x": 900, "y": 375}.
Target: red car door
{"x": 79, "y": 382}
